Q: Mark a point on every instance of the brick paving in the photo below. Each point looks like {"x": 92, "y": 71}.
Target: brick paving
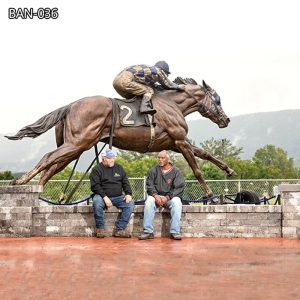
{"x": 112, "y": 268}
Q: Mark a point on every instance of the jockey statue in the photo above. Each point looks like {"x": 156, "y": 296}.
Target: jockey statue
{"x": 139, "y": 80}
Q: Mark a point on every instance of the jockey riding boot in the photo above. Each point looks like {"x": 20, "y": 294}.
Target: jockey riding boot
{"x": 146, "y": 106}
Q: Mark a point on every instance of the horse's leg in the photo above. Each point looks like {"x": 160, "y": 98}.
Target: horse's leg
{"x": 49, "y": 172}
{"x": 65, "y": 153}
{"x": 59, "y": 133}
{"x": 186, "y": 149}
{"x": 54, "y": 169}
{"x": 201, "y": 153}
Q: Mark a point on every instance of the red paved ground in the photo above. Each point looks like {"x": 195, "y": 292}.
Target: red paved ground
{"x": 110, "y": 268}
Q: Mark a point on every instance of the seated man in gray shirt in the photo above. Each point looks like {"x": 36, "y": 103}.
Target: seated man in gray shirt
{"x": 165, "y": 186}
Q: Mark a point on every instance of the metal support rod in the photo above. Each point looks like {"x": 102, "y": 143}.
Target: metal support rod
{"x": 62, "y": 195}
{"x": 82, "y": 177}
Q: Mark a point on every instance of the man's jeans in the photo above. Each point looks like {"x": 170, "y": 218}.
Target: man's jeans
{"x": 174, "y": 205}
{"x": 119, "y": 202}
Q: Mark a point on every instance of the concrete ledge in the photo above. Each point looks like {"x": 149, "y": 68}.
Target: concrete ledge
{"x": 21, "y": 189}
{"x": 289, "y": 188}
{"x": 234, "y": 208}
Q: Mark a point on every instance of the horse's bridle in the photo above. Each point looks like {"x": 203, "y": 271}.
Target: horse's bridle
{"x": 213, "y": 96}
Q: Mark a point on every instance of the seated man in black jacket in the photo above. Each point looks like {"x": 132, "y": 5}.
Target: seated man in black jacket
{"x": 165, "y": 186}
{"x": 108, "y": 181}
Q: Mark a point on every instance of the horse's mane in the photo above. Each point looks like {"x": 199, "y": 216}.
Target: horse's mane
{"x": 180, "y": 80}
{"x": 177, "y": 80}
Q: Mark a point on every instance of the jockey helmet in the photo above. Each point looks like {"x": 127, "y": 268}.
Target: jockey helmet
{"x": 163, "y": 65}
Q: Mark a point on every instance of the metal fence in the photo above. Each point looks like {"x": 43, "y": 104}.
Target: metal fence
{"x": 192, "y": 191}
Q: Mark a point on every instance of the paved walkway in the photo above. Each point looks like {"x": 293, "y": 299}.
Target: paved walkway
{"x": 111, "y": 268}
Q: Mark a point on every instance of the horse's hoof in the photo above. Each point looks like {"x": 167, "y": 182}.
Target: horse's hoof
{"x": 214, "y": 202}
{"x": 232, "y": 173}
{"x": 61, "y": 197}
{"x": 13, "y": 182}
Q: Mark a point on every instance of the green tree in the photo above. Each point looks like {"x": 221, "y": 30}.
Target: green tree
{"x": 65, "y": 174}
{"x": 222, "y": 149}
{"x": 6, "y": 175}
{"x": 273, "y": 162}
{"x": 138, "y": 167}
{"x": 245, "y": 169}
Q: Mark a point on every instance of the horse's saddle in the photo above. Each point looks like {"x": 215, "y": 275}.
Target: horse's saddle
{"x": 129, "y": 111}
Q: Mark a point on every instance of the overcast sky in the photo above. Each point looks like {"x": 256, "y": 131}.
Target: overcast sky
{"x": 249, "y": 51}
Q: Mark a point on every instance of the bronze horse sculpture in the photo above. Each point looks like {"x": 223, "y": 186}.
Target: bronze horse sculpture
{"x": 85, "y": 122}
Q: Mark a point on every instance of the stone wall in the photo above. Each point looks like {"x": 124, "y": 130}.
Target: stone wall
{"x": 197, "y": 221}
{"x": 16, "y": 204}
{"x": 21, "y": 214}
{"x": 291, "y": 210}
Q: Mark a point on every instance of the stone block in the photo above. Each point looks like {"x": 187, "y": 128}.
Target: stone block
{"x": 238, "y": 216}
{"x": 220, "y": 208}
{"x": 42, "y": 209}
{"x": 52, "y": 229}
{"x": 4, "y": 197}
{"x": 261, "y": 223}
{"x": 21, "y": 216}
{"x": 5, "y": 210}
{"x": 84, "y": 209}
{"x": 64, "y": 209}
{"x": 191, "y": 208}
{"x": 206, "y": 208}
{"x": 216, "y": 216}
{"x": 5, "y": 216}
{"x": 240, "y": 208}
{"x": 291, "y": 223}
{"x": 289, "y": 232}
{"x": 292, "y": 202}
{"x": 290, "y": 209}
{"x": 17, "y": 210}
{"x": 22, "y": 223}
{"x": 274, "y": 216}
{"x": 292, "y": 216}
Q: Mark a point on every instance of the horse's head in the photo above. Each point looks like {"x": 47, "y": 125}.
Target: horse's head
{"x": 210, "y": 107}
{"x": 209, "y": 102}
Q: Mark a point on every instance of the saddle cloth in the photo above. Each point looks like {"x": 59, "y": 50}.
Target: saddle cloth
{"x": 130, "y": 116}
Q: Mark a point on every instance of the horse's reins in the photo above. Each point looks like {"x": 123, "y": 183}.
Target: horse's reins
{"x": 207, "y": 94}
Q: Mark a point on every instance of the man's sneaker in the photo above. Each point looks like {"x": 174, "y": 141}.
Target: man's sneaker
{"x": 146, "y": 236}
{"x": 175, "y": 236}
{"x": 100, "y": 233}
{"x": 122, "y": 234}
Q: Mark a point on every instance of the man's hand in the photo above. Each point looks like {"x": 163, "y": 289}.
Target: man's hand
{"x": 108, "y": 202}
{"x": 181, "y": 87}
{"x": 127, "y": 198}
{"x": 158, "y": 200}
{"x": 164, "y": 200}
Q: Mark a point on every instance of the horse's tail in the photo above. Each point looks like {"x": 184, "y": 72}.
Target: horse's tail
{"x": 41, "y": 125}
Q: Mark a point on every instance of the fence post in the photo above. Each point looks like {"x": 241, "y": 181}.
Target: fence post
{"x": 239, "y": 185}
{"x": 145, "y": 192}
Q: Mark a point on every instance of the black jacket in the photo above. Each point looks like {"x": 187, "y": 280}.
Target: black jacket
{"x": 111, "y": 182}
{"x": 170, "y": 184}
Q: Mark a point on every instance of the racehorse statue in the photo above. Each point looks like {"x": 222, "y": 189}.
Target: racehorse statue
{"x": 85, "y": 122}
